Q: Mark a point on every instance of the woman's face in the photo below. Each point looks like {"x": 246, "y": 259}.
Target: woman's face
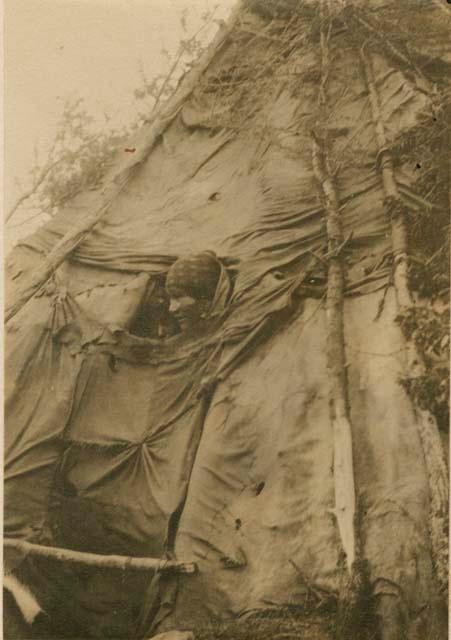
{"x": 185, "y": 310}
{"x": 188, "y": 311}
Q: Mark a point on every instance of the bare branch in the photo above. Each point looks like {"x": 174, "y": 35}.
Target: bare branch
{"x": 42, "y": 176}
{"x": 125, "y": 563}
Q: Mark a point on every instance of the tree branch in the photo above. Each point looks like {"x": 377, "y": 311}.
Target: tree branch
{"x": 118, "y": 177}
{"x": 45, "y": 171}
{"x": 125, "y": 563}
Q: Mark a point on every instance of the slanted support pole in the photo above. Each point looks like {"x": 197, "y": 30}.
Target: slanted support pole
{"x": 125, "y": 563}
{"x": 427, "y": 425}
{"x": 119, "y": 176}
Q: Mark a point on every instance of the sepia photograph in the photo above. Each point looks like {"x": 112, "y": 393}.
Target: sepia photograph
{"x": 226, "y": 254}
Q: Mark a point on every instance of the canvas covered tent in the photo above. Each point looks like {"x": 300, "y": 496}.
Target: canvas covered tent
{"x": 286, "y": 152}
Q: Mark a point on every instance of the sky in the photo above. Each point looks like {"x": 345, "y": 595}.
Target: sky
{"x": 57, "y": 50}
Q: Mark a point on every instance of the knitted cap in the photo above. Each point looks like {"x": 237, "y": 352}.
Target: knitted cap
{"x": 196, "y": 276}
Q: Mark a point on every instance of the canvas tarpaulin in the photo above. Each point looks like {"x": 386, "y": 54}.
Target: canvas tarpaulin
{"x": 109, "y": 429}
{"x": 38, "y": 399}
{"x": 258, "y": 514}
{"x": 133, "y": 473}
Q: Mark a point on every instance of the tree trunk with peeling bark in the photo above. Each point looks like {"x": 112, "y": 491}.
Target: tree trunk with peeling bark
{"x": 427, "y": 425}
{"x": 125, "y": 563}
{"x": 344, "y": 486}
{"x": 345, "y": 503}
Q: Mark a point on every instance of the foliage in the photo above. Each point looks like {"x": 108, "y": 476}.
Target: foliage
{"x": 424, "y": 148}
{"x": 80, "y": 156}
{"x": 430, "y": 392}
{"x": 83, "y": 150}
{"x": 233, "y": 94}
{"x": 161, "y": 86}
{"x": 271, "y": 9}
{"x": 429, "y": 330}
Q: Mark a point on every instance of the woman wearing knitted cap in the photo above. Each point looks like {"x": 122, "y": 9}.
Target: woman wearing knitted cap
{"x": 191, "y": 285}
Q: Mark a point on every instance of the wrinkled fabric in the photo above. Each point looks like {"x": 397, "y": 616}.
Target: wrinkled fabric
{"x": 39, "y": 393}
{"x": 219, "y": 449}
{"x": 258, "y": 516}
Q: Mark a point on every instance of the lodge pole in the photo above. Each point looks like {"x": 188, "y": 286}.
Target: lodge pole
{"x": 427, "y": 425}
{"x": 120, "y": 175}
{"x": 343, "y": 466}
{"x": 99, "y": 561}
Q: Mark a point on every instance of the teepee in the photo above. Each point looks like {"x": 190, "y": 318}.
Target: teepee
{"x": 295, "y": 453}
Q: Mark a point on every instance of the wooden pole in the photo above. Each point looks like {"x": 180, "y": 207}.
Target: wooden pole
{"x": 427, "y": 425}
{"x": 345, "y": 500}
{"x": 120, "y": 175}
{"x": 125, "y": 563}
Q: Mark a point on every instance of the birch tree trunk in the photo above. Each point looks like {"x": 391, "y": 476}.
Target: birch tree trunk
{"x": 427, "y": 425}
{"x": 345, "y": 502}
{"x": 125, "y": 563}
{"x": 344, "y": 487}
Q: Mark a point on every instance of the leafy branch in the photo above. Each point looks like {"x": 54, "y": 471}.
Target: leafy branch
{"x": 81, "y": 153}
